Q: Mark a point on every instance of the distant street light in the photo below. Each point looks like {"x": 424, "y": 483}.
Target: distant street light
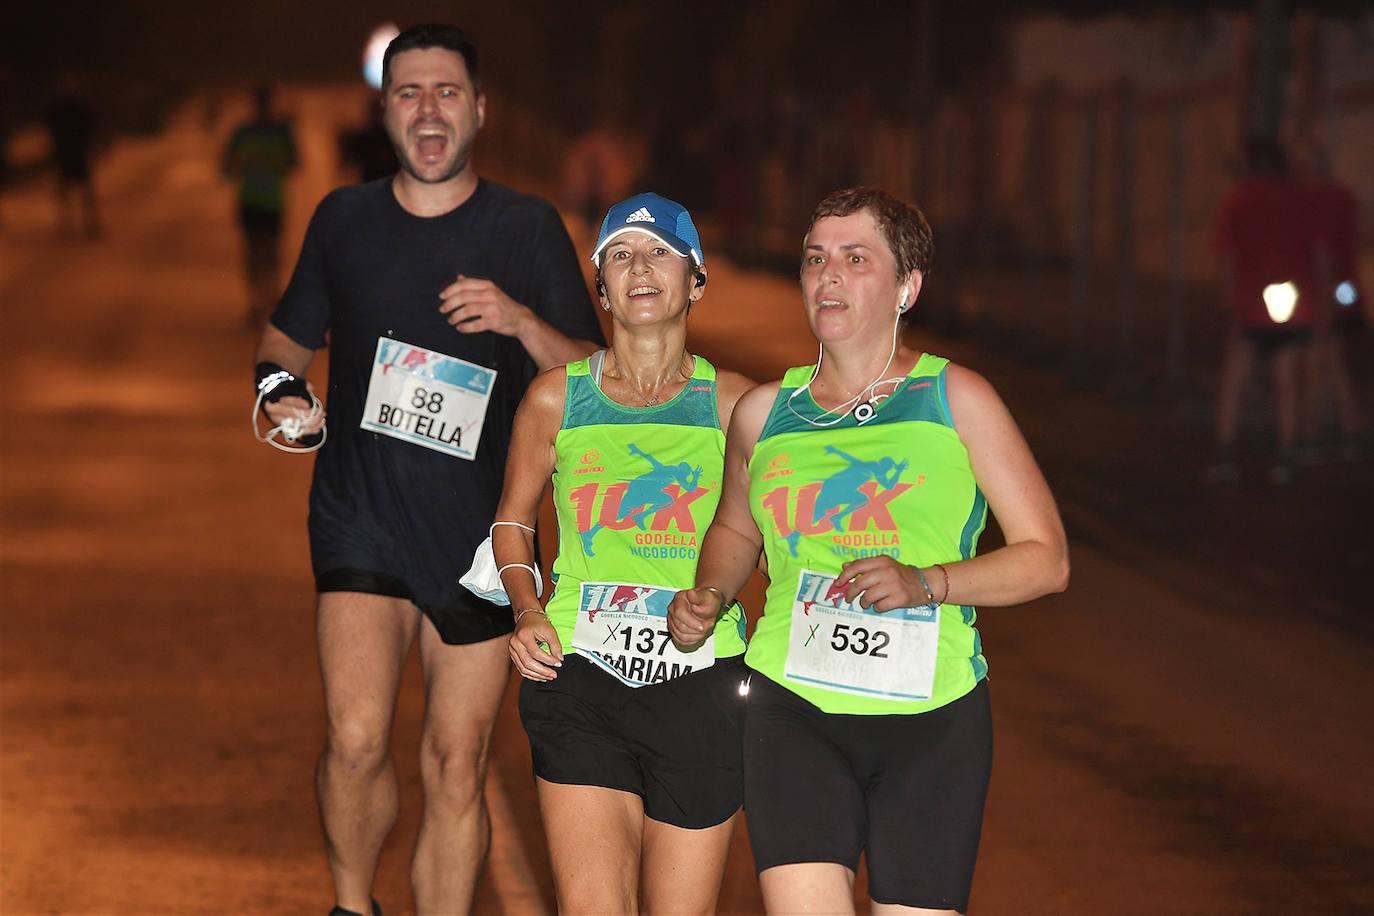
{"x": 374, "y": 51}
{"x": 1280, "y": 299}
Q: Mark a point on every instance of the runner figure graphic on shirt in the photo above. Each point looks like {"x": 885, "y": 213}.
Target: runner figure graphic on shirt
{"x": 648, "y": 493}
{"x": 840, "y": 494}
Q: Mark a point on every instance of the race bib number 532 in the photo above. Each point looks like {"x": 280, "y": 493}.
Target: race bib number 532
{"x": 840, "y": 645}
{"x": 427, "y": 398}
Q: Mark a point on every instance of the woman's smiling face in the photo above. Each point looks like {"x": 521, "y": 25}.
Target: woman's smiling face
{"x": 644, "y": 279}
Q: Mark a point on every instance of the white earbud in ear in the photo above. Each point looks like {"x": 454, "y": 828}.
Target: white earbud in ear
{"x": 901, "y": 306}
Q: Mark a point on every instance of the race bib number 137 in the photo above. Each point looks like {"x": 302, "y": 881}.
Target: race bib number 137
{"x": 623, "y": 627}
{"x": 427, "y": 398}
{"x": 840, "y": 645}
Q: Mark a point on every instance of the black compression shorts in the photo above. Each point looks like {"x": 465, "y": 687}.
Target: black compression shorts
{"x": 676, "y": 744}
{"x": 906, "y": 791}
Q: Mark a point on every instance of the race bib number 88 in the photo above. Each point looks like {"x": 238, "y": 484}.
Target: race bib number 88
{"x": 623, "y": 627}
{"x": 427, "y": 398}
{"x": 840, "y": 645}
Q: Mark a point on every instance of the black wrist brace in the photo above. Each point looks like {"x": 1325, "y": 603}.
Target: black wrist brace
{"x": 274, "y": 383}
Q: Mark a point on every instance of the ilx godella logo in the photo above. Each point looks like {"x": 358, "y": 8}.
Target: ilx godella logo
{"x": 845, "y": 505}
{"x": 655, "y": 501}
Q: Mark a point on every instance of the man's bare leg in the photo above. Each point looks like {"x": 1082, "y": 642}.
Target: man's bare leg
{"x": 463, "y": 690}
{"x": 363, "y": 641}
{"x": 1285, "y": 365}
{"x": 1235, "y": 372}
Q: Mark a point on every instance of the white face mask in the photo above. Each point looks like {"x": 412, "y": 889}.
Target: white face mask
{"x": 484, "y": 578}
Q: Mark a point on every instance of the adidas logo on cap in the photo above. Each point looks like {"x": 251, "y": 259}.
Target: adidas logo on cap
{"x": 665, "y": 219}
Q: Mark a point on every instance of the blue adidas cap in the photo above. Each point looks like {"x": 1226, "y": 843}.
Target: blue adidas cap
{"x": 658, "y": 216}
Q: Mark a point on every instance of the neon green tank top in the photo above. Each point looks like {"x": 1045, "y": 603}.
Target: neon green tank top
{"x": 898, "y": 484}
{"x": 634, "y": 490}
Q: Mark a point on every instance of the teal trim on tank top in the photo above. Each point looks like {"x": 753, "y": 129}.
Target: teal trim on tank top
{"x": 942, "y": 394}
{"x": 891, "y": 409}
{"x": 973, "y": 528}
{"x": 587, "y": 404}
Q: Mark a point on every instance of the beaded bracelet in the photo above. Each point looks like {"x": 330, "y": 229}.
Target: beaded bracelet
{"x": 944, "y": 572}
{"x": 930, "y": 596}
{"x": 527, "y": 610}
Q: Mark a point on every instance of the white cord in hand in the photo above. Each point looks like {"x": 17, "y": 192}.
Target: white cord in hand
{"x": 291, "y": 427}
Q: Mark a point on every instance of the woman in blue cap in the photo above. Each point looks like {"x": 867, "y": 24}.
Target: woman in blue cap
{"x": 636, "y": 744}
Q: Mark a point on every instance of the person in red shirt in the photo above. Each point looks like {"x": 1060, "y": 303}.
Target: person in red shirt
{"x": 1266, "y": 244}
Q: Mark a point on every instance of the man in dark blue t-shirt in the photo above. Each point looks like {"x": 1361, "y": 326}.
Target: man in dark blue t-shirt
{"x": 439, "y": 295}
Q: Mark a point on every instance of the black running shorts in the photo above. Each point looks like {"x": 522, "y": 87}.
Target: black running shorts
{"x": 459, "y": 616}
{"x": 1269, "y": 340}
{"x": 905, "y": 791}
{"x": 676, "y": 744}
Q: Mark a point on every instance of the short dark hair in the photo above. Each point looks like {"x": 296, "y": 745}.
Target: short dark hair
{"x": 432, "y": 35}
{"x": 903, "y": 225}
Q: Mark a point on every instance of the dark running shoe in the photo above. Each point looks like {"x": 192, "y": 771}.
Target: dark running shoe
{"x": 340, "y": 911}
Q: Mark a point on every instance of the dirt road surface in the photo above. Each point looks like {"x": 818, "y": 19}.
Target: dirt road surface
{"x": 1176, "y": 734}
